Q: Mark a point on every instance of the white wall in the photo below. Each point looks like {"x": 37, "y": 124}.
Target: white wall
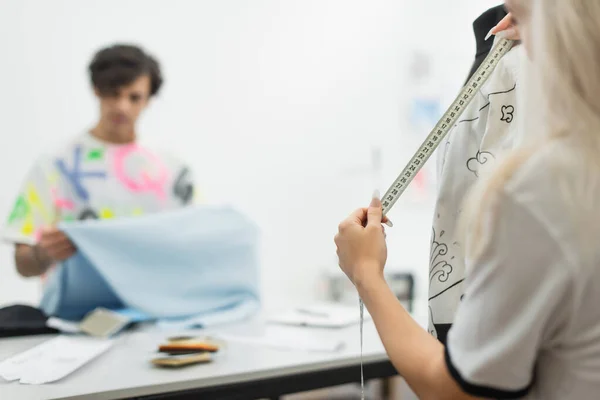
{"x": 277, "y": 104}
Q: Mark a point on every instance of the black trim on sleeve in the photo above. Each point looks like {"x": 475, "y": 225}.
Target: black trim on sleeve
{"x": 483, "y": 391}
{"x": 441, "y": 331}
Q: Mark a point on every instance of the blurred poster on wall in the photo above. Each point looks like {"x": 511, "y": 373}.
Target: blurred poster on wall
{"x": 425, "y": 109}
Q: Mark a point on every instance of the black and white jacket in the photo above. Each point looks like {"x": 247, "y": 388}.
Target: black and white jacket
{"x": 486, "y": 129}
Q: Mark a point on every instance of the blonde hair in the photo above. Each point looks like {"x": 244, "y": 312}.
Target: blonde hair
{"x": 562, "y": 100}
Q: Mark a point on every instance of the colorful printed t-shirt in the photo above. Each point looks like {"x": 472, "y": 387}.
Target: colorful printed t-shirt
{"x": 92, "y": 179}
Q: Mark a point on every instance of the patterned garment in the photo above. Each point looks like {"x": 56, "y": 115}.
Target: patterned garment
{"x": 91, "y": 179}
{"x": 487, "y": 128}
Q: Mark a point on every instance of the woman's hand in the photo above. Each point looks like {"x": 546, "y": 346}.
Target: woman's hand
{"x": 507, "y": 29}
{"x": 361, "y": 246}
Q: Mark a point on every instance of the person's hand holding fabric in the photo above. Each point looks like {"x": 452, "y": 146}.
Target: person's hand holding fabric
{"x": 55, "y": 245}
{"x": 361, "y": 246}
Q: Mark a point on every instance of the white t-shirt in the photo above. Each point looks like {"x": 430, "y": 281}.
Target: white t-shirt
{"x": 529, "y": 322}
{"x": 89, "y": 179}
{"x": 487, "y": 128}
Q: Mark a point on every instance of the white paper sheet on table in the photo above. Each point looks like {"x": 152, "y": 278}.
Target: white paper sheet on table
{"x": 62, "y": 325}
{"x": 322, "y": 315}
{"x": 287, "y": 338}
{"x": 53, "y": 359}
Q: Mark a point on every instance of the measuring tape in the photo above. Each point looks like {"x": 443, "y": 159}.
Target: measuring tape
{"x": 448, "y": 120}
{"x": 445, "y": 124}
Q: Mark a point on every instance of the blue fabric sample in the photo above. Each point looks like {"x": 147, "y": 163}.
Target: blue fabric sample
{"x": 194, "y": 266}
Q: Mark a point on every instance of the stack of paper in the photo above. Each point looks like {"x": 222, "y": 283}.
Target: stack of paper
{"x": 101, "y": 323}
{"x": 323, "y": 315}
{"x": 52, "y": 360}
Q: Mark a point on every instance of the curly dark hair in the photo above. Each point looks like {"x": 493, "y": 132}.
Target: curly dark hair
{"x": 120, "y": 65}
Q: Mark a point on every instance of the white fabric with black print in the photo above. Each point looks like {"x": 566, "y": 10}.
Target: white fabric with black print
{"x": 488, "y": 127}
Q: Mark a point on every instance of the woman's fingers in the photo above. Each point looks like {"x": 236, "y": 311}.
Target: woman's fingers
{"x": 505, "y": 29}
{"x": 511, "y": 33}
{"x": 504, "y": 24}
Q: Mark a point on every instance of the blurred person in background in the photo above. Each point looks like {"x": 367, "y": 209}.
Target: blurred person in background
{"x": 101, "y": 173}
{"x": 528, "y": 325}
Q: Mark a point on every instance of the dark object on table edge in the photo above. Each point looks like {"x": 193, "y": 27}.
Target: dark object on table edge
{"x": 21, "y": 320}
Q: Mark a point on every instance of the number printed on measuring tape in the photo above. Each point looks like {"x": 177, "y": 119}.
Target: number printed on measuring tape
{"x": 448, "y": 120}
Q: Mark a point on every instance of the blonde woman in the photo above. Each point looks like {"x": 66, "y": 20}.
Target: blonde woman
{"x": 529, "y": 323}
